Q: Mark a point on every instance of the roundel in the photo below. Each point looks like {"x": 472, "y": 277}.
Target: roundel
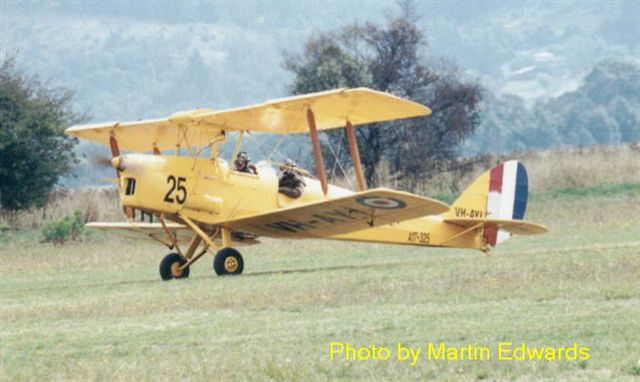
{"x": 381, "y": 202}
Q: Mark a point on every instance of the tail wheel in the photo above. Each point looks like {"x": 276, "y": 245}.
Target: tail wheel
{"x": 170, "y": 267}
{"x": 228, "y": 261}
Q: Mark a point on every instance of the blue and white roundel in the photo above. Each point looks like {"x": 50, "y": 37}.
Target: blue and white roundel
{"x": 381, "y": 202}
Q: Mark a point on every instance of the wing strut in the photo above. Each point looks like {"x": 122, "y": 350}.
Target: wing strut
{"x": 355, "y": 156}
{"x": 317, "y": 151}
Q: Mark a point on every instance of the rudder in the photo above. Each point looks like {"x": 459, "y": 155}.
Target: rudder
{"x": 499, "y": 193}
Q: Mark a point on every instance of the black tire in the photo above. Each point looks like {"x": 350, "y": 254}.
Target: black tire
{"x": 168, "y": 267}
{"x": 228, "y": 261}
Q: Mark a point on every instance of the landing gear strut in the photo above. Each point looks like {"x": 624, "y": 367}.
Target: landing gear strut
{"x": 227, "y": 261}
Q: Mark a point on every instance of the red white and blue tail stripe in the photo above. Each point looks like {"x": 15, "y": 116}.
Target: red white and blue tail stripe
{"x": 507, "y": 197}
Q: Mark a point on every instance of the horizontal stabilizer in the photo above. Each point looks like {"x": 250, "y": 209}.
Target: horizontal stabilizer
{"x": 351, "y": 213}
{"x": 520, "y": 227}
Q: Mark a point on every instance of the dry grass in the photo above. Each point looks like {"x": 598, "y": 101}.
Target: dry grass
{"x": 96, "y": 204}
{"x": 548, "y": 169}
{"x": 583, "y": 167}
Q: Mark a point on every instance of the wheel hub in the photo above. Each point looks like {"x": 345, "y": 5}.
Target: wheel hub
{"x": 230, "y": 264}
{"x": 175, "y": 269}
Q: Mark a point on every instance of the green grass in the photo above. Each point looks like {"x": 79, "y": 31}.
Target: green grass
{"x": 97, "y": 309}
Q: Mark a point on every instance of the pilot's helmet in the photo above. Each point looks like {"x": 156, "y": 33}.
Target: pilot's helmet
{"x": 242, "y": 158}
{"x": 288, "y": 164}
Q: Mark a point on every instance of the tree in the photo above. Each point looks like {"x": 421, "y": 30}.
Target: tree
{"x": 391, "y": 58}
{"x": 34, "y": 152}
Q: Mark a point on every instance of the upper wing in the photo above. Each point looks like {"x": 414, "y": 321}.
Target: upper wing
{"x": 521, "y": 227}
{"x": 341, "y": 215}
{"x": 141, "y": 136}
{"x": 331, "y": 109}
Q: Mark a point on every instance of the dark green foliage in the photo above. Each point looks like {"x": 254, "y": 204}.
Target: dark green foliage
{"x": 68, "y": 228}
{"x": 391, "y": 58}
{"x": 327, "y": 66}
{"x": 34, "y": 152}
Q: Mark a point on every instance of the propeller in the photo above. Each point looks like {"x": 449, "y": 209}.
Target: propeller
{"x": 115, "y": 163}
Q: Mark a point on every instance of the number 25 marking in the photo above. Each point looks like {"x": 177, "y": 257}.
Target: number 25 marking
{"x": 181, "y": 194}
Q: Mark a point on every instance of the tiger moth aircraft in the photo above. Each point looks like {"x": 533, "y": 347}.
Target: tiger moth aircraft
{"x": 203, "y": 204}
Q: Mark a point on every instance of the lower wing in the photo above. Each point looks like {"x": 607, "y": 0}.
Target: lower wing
{"x": 153, "y": 231}
{"x": 326, "y": 218}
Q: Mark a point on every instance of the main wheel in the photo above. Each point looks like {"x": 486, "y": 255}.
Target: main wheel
{"x": 228, "y": 261}
{"x": 169, "y": 267}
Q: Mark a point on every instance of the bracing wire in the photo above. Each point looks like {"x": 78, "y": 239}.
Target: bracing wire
{"x": 335, "y": 164}
{"x": 264, "y": 152}
{"x": 269, "y": 154}
{"x": 344, "y": 173}
{"x": 275, "y": 149}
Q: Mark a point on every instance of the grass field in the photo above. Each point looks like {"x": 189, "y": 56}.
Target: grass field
{"x": 97, "y": 310}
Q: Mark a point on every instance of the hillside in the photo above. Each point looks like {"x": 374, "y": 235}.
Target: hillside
{"x": 604, "y": 108}
{"x": 130, "y": 60}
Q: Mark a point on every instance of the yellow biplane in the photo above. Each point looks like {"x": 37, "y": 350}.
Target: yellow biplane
{"x": 202, "y": 204}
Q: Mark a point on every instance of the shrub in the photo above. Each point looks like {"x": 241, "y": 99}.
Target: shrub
{"x": 68, "y": 228}
{"x": 4, "y": 229}
{"x": 34, "y": 151}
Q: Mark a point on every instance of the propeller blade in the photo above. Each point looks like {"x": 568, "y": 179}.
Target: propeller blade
{"x": 115, "y": 150}
{"x": 113, "y": 144}
{"x": 108, "y": 180}
{"x": 101, "y": 161}
{"x": 128, "y": 211}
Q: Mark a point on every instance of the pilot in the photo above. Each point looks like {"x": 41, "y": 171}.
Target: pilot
{"x": 243, "y": 164}
{"x": 290, "y": 182}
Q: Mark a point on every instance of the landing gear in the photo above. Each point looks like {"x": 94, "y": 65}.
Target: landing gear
{"x": 228, "y": 261}
{"x": 170, "y": 267}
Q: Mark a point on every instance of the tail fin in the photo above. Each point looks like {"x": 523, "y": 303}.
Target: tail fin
{"x": 499, "y": 194}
